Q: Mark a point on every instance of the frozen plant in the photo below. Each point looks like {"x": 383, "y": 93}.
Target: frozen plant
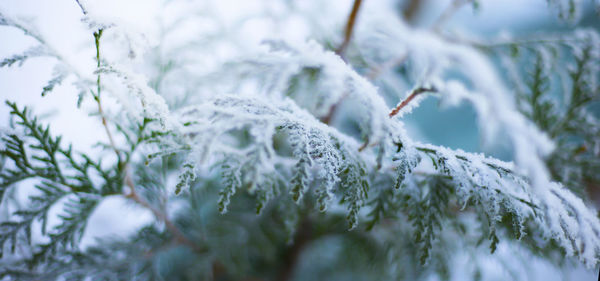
{"x": 287, "y": 158}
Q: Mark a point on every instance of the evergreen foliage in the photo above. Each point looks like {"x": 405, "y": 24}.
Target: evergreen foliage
{"x": 291, "y": 161}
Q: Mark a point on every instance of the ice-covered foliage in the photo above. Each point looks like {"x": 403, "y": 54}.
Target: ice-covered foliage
{"x": 311, "y": 139}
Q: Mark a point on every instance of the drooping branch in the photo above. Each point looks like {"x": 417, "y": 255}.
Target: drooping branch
{"x": 349, "y": 28}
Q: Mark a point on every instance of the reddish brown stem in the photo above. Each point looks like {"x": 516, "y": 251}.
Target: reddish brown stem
{"x": 410, "y": 97}
{"x": 349, "y": 28}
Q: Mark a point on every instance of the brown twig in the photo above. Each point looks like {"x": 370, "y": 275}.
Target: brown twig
{"x": 413, "y": 94}
{"x": 349, "y": 28}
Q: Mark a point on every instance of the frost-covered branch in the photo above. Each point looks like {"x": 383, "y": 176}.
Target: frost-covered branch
{"x": 234, "y": 147}
{"x": 413, "y": 94}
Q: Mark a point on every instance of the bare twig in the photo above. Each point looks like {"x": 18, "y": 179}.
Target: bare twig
{"x": 413, "y": 94}
{"x": 349, "y": 28}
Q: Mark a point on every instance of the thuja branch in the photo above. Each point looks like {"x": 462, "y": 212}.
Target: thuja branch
{"x": 349, "y": 28}
{"x": 122, "y": 166}
{"x": 466, "y": 159}
{"x": 498, "y": 167}
{"x": 415, "y": 92}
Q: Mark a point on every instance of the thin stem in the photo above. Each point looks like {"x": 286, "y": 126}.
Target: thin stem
{"x": 178, "y": 235}
{"x": 413, "y": 94}
{"x": 349, "y": 28}
{"x": 97, "y": 36}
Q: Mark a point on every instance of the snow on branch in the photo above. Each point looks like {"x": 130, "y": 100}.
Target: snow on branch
{"x": 206, "y": 132}
{"x": 288, "y": 70}
{"x": 496, "y": 185}
{"x": 269, "y": 139}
